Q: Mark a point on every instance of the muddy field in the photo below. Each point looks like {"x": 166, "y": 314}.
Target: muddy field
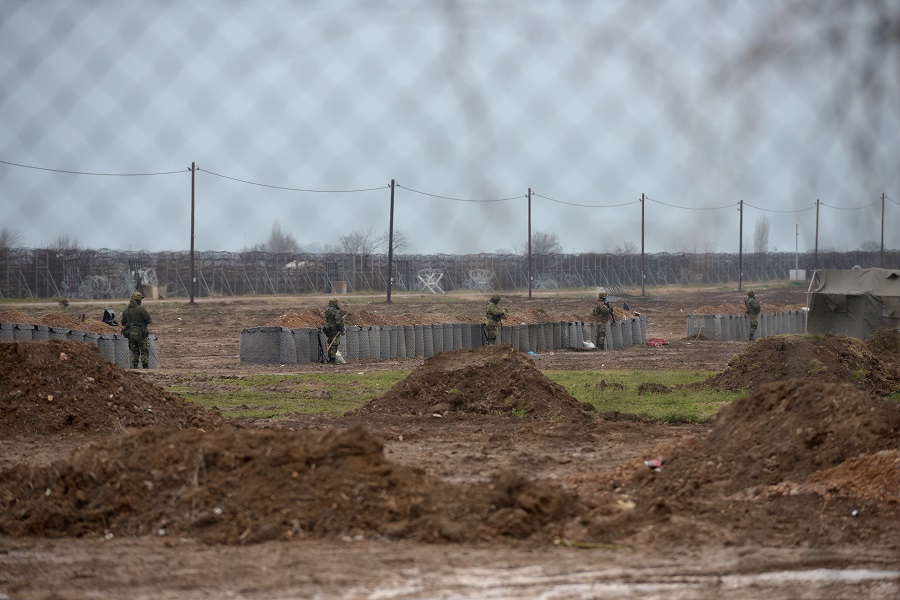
{"x": 475, "y": 477}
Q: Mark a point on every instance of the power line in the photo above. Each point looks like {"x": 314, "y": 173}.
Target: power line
{"x": 772, "y": 210}
{"x": 691, "y": 207}
{"x": 852, "y": 207}
{"x": 460, "y": 199}
{"x": 291, "y": 189}
{"x": 89, "y": 173}
{"x": 584, "y": 205}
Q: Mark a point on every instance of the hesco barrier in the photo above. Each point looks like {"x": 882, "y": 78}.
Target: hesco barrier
{"x": 728, "y": 328}
{"x": 113, "y": 346}
{"x": 280, "y": 345}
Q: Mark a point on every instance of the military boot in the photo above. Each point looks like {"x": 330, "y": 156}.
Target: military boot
{"x": 134, "y": 365}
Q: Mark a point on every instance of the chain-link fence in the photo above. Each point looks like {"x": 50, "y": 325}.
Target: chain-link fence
{"x": 299, "y": 114}
{"x": 34, "y": 273}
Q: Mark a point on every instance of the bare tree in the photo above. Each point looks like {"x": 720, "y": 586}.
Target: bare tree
{"x": 282, "y": 242}
{"x": 64, "y": 242}
{"x": 625, "y": 248}
{"x": 361, "y": 241}
{"x": 401, "y": 241}
{"x": 277, "y": 243}
{"x": 707, "y": 245}
{"x": 543, "y": 242}
{"x": 10, "y": 238}
{"x": 870, "y": 246}
{"x": 761, "y": 235}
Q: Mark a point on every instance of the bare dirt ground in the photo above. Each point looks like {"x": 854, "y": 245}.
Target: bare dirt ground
{"x": 111, "y": 487}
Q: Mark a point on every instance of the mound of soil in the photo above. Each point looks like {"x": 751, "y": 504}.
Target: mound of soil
{"x": 54, "y": 386}
{"x": 242, "y": 486}
{"x": 59, "y": 320}
{"x": 830, "y": 358}
{"x": 791, "y": 463}
{"x": 738, "y": 308}
{"x": 492, "y": 380}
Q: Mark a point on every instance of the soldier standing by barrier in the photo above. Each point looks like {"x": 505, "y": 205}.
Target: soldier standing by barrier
{"x": 135, "y": 320}
{"x": 752, "y": 311}
{"x": 603, "y": 313}
{"x": 334, "y": 328}
{"x": 493, "y": 317}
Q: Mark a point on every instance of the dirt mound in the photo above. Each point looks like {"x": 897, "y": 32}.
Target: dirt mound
{"x": 294, "y": 320}
{"x": 738, "y": 308}
{"x": 52, "y": 387}
{"x": 59, "y": 320}
{"x": 830, "y": 358}
{"x": 492, "y": 380}
{"x": 243, "y": 486}
{"x": 788, "y": 464}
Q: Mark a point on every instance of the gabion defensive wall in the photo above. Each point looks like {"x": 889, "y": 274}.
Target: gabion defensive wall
{"x": 100, "y": 274}
{"x": 281, "y": 345}
{"x": 113, "y": 347}
{"x": 727, "y": 328}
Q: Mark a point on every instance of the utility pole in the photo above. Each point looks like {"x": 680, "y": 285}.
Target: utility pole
{"x": 391, "y": 247}
{"x": 796, "y": 247}
{"x": 741, "y": 246}
{"x": 816, "y": 253}
{"x": 642, "y": 245}
{"x": 881, "y": 258}
{"x": 529, "y": 243}
{"x": 193, "y": 180}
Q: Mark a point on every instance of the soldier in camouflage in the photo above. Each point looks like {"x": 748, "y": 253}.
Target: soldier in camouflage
{"x": 334, "y": 328}
{"x": 135, "y": 320}
{"x": 603, "y": 313}
{"x": 492, "y": 320}
{"x": 752, "y": 307}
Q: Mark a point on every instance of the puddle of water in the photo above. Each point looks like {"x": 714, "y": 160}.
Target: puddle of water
{"x": 626, "y": 584}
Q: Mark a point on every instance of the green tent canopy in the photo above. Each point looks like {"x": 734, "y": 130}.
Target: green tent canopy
{"x": 853, "y": 302}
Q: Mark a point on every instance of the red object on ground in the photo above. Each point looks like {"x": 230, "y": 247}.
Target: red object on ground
{"x": 657, "y": 342}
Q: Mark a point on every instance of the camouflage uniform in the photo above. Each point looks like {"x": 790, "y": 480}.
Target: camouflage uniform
{"x": 135, "y": 320}
{"x": 752, "y": 311}
{"x": 603, "y": 313}
{"x": 492, "y": 320}
{"x": 334, "y": 328}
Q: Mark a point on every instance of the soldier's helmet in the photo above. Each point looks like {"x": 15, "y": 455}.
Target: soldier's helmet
{"x": 601, "y": 293}
{"x": 750, "y": 294}
{"x": 495, "y": 298}
{"x": 333, "y": 303}
{"x": 137, "y": 297}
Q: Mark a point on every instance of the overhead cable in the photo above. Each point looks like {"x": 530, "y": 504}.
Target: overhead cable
{"x": 796, "y": 210}
{"x": 691, "y": 207}
{"x": 460, "y": 199}
{"x": 291, "y": 189}
{"x": 89, "y": 173}
{"x": 852, "y": 207}
{"x": 585, "y": 205}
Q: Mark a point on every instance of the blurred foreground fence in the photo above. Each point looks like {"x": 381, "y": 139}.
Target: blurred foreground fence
{"x": 99, "y": 274}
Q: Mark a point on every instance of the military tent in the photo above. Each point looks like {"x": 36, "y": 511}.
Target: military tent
{"x": 853, "y": 302}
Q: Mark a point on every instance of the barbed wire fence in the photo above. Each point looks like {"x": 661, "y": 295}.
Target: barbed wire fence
{"x": 102, "y": 274}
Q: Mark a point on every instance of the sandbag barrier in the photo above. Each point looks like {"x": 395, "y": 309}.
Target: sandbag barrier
{"x": 281, "y": 345}
{"x": 113, "y": 346}
{"x": 729, "y": 328}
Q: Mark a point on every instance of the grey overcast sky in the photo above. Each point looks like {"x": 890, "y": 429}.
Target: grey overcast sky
{"x": 301, "y": 112}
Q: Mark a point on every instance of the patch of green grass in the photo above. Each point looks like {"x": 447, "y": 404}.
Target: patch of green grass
{"x": 332, "y": 394}
{"x": 277, "y": 395}
{"x": 620, "y": 394}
